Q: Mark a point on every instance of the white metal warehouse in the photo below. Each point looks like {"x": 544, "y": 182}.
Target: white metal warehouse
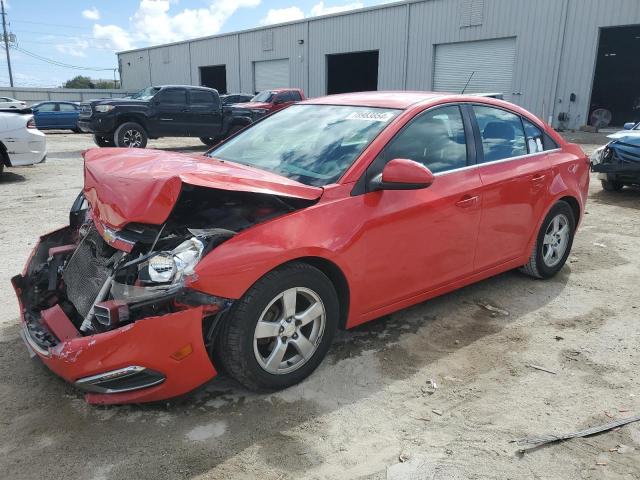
{"x": 561, "y": 59}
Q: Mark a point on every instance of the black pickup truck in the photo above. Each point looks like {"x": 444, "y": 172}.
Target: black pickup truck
{"x": 164, "y": 111}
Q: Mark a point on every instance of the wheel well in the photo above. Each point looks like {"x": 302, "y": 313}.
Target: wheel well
{"x": 131, "y": 118}
{"x": 575, "y": 206}
{"x": 338, "y": 279}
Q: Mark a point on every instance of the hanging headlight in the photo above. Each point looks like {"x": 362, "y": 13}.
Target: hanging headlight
{"x": 173, "y": 266}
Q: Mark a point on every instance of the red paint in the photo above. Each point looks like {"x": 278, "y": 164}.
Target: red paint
{"x": 405, "y": 171}
{"x": 142, "y": 186}
{"x": 61, "y": 250}
{"x": 149, "y": 343}
{"x": 395, "y": 248}
{"x": 59, "y": 324}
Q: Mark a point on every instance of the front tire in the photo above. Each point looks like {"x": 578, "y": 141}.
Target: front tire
{"x": 280, "y": 330}
{"x": 611, "y": 185}
{"x": 130, "y": 135}
{"x": 554, "y": 242}
{"x": 102, "y": 142}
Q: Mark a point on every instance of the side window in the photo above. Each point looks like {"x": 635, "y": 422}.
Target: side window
{"x": 202, "y": 97}
{"x": 435, "y": 139}
{"x": 67, "y": 107}
{"x": 173, "y": 96}
{"x": 535, "y": 137}
{"x": 47, "y": 107}
{"x": 501, "y": 132}
{"x": 295, "y": 96}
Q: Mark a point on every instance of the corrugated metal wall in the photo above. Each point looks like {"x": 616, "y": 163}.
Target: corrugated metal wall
{"x": 578, "y": 63}
{"x": 556, "y": 44}
{"x": 222, "y": 51}
{"x": 384, "y": 30}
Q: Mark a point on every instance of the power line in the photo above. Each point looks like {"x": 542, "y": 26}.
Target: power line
{"x": 57, "y": 63}
{"x": 51, "y": 24}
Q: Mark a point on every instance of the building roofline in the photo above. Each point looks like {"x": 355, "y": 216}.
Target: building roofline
{"x": 278, "y": 25}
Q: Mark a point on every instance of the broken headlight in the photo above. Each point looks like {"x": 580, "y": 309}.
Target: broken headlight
{"x": 173, "y": 266}
{"x": 601, "y": 155}
{"x": 162, "y": 275}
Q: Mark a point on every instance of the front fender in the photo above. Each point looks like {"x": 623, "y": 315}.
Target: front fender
{"x": 233, "y": 267}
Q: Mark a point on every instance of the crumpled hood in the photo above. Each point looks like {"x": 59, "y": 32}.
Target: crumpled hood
{"x": 142, "y": 186}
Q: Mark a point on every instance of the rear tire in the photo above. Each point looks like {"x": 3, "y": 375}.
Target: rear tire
{"x": 611, "y": 185}
{"x": 130, "y": 135}
{"x": 209, "y": 141}
{"x": 250, "y": 354}
{"x": 102, "y": 141}
{"x": 553, "y": 243}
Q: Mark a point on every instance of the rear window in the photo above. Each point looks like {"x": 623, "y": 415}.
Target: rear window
{"x": 175, "y": 96}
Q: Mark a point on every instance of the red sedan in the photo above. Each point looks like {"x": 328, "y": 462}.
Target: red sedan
{"x": 325, "y": 215}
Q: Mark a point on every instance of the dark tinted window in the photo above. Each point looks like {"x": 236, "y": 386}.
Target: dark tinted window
{"x": 176, "y": 96}
{"x": 295, "y": 96}
{"x": 435, "y": 139}
{"x": 502, "y": 133}
{"x": 67, "y": 107}
{"x": 202, "y": 97}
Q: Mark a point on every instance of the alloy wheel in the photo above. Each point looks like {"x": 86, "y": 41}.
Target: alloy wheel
{"x": 132, "y": 139}
{"x": 556, "y": 240}
{"x": 289, "y": 330}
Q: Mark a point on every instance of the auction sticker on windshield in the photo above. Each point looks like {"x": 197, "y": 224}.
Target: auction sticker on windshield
{"x": 371, "y": 116}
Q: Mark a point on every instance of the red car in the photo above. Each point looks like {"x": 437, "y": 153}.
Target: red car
{"x": 325, "y": 215}
{"x": 269, "y": 101}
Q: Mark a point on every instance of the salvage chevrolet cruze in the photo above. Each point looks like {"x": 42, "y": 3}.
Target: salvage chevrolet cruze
{"x": 325, "y": 215}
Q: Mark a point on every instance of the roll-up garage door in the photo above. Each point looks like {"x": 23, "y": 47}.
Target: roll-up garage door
{"x": 491, "y": 60}
{"x": 271, "y": 74}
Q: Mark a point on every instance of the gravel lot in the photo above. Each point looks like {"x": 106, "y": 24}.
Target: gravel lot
{"x": 368, "y": 406}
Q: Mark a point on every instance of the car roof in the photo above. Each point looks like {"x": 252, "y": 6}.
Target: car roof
{"x": 382, "y": 99}
{"x": 192, "y": 87}
{"x": 406, "y": 99}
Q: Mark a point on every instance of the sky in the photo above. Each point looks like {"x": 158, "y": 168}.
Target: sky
{"x": 87, "y": 34}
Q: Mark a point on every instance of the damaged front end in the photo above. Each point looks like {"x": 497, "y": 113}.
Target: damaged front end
{"x": 618, "y": 161}
{"x": 112, "y": 311}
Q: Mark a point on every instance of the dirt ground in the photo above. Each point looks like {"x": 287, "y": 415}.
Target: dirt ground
{"x": 369, "y": 405}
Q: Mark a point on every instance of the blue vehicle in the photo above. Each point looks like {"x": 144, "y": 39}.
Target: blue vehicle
{"x": 56, "y": 116}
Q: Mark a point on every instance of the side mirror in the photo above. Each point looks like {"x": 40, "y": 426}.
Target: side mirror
{"x": 403, "y": 174}
{"x": 629, "y": 125}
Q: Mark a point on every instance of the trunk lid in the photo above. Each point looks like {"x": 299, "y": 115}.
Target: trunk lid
{"x": 142, "y": 186}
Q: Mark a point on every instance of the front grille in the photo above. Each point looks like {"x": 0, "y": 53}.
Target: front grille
{"x": 88, "y": 270}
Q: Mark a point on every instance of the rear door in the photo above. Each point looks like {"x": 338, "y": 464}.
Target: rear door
{"x": 67, "y": 115}
{"x": 171, "y": 115}
{"x": 515, "y": 174}
{"x": 205, "y": 113}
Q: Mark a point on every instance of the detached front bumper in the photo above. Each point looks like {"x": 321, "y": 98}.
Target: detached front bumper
{"x": 151, "y": 359}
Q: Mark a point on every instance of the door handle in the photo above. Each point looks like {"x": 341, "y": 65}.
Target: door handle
{"x": 538, "y": 178}
{"x": 467, "y": 201}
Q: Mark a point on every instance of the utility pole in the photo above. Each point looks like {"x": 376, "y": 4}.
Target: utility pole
{"x": 6, "y": 41}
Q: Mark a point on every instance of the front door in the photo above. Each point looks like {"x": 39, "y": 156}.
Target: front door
{"x": 417, "y": 241}
{"x": 515, "y": 174}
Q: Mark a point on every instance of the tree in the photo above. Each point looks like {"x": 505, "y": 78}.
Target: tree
{"x": 79, "y": 82}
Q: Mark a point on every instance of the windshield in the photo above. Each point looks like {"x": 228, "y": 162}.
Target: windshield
{"x": 145, "y": 94}
{"x": 263, "y": 97}
{"x": 313, "y": 144}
